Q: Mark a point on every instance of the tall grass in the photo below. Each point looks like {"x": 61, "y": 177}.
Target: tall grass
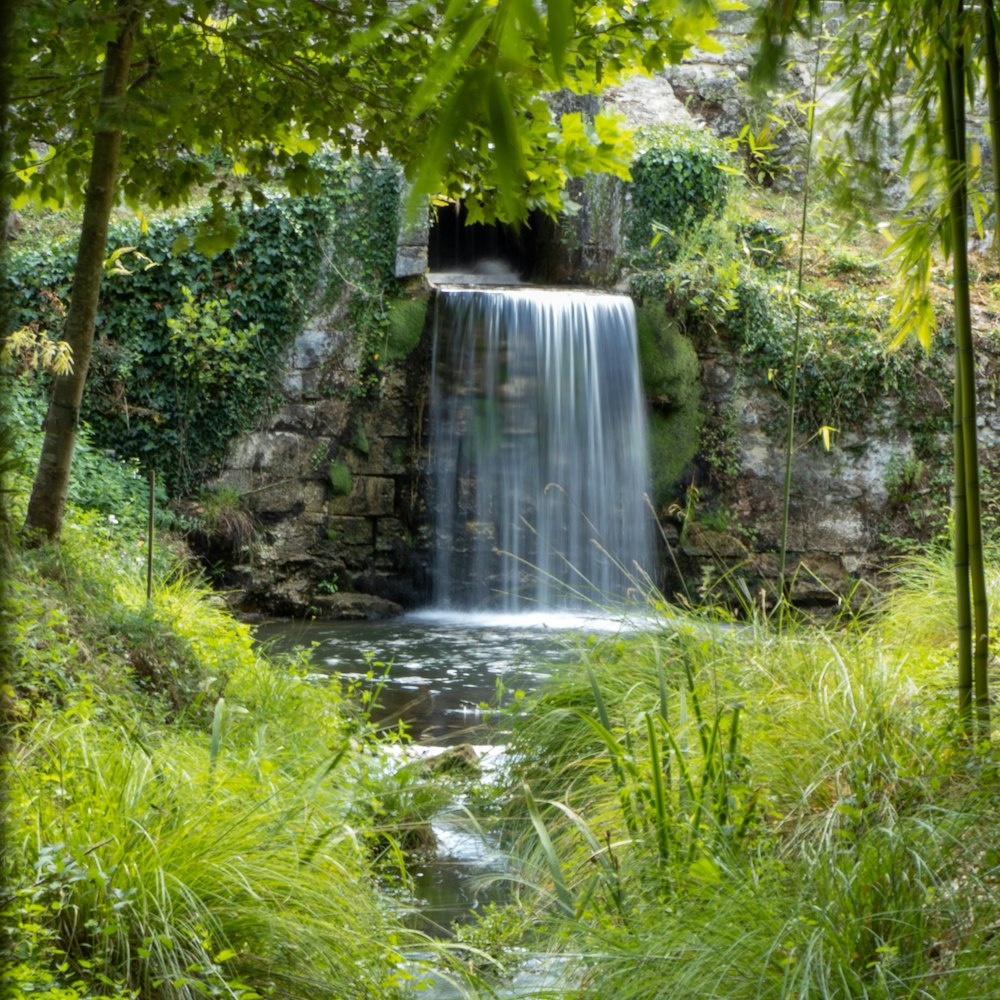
{"x": 760, "y": 813}
{"x": 187, "y": 817}
{"x": 175, "y": 874}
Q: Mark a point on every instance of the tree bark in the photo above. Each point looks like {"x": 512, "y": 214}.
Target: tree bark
{"x": 48, "y": 495}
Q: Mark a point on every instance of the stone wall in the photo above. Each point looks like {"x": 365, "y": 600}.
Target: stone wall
{"x": 842, "y": 501}
{"x": 319, "y": 548}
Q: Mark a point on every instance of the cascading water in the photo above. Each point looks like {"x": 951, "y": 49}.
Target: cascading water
{"x": 538, "y": 449}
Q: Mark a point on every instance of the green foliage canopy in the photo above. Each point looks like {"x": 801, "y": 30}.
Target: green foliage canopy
{"x": 108, "y": 104}
{"x": 450, "y": 90}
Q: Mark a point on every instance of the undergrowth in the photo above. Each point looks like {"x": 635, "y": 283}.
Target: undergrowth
{"x": 762, "y": 812}
{"x": 185, "y": 816}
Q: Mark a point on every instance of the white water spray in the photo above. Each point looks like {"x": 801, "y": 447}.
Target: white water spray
{"x": 538, "y": 449}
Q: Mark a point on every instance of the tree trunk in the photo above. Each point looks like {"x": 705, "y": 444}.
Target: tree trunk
{"x": 48, "y": 495}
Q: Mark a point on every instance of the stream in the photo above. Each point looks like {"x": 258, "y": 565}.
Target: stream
{"x": 444, "y": 674}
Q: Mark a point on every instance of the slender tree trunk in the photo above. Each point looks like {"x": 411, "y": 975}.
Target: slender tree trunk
{"x": 960, "y": 539}
{"x": 786, "y": 496}
{"x": 992, "y": 57}
{"x": 48, "y": 495}
{"x": 974, "y": 642}
{"x": 960, "y": 553}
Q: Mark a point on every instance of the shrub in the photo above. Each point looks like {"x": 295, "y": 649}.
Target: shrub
{"x": 763, "y": 244}
{"x": 224, "y": 528}
{"x": 677, "y": 181}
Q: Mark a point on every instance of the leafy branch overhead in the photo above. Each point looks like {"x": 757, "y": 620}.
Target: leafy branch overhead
{"x": 450, "y": 90}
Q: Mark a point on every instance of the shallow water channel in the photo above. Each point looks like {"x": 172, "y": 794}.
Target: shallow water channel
{"x": 444, "y": 674}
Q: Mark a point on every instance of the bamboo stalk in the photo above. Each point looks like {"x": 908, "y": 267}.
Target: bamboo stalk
{"x": 149, "y": 536}
{"x": 973, "y": 628}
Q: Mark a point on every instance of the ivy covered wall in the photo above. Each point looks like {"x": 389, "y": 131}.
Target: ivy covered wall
{"x": 289, "y": 375}
{"x": 190, "y": 349}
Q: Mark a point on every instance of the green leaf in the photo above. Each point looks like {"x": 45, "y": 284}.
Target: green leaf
{"x": 560, "y": 23}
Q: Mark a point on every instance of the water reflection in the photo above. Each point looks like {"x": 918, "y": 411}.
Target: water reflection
{"x": 441, "y": 668}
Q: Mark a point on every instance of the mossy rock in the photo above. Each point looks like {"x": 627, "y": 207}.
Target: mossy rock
{"x": 406, "y": 326}
{"x": 673, "y": 444}
{"x": 671, "y": 375}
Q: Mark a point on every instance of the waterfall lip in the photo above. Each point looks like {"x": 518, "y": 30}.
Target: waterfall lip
{"x": 461, "y": 282}
{"x": 469, "y": 279}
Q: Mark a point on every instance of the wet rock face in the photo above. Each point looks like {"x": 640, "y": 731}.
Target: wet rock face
{"x": 350, "y": 544}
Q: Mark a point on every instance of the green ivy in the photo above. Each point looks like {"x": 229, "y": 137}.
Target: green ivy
{"x": 365, "y": 220}
{"x": 188, "y": 351}
{"x": 845, "y": 371}
{"x": 677, "y": 180}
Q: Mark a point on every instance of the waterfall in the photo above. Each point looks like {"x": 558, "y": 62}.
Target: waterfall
{"x": 538, "y": 449}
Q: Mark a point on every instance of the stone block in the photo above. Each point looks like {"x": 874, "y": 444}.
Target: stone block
{"x": 703, "y": 542}
{"x": 411, "y": 260}
{"x": 390, "y": 535}
{"x": 371, "y": 496}
{"x": 311, "y": 347}
{"x": 295, "y": 418}
{"x": 355, "y": 607}
{"x": 294, "y": 541}
{"x": 351, "y": 531}
{"x": 313, "y": 497}
{"x": 380, "y": 495}
{"x": 332, "y": 416}
{"x": 265, "y": 451}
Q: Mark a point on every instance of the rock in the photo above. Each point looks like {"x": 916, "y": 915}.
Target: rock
{"x": 354, "y": 607}
{"x": 461, "y": 759}
{"x": 646, "y": 101}
{"x": 702, "y": 541}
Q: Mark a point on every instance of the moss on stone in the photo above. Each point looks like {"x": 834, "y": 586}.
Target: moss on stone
{"x": 672, "y": 379}
{"x": 341, "y": 481}
{"x": 406, "y": 325}
{"x": 359, "y": 442}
